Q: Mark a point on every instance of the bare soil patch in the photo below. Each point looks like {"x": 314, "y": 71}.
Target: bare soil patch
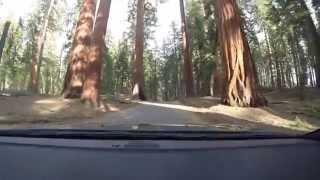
{"x": 285, "y": 112}
{"x": 19, "y": 110}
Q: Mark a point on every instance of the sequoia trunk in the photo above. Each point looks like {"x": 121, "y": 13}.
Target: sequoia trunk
{"x": 241, "y": 81}
{"x": 188, "y": 73}
{"x": 75, "y": 76}
{"x": 91, "y": 88}
{"x": 138, "y": 72}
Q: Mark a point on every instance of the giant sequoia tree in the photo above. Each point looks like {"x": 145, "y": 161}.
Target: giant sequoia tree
{"x": 75, "y": 75}
{"x": 91, "y": 86}
{"x": 83, "y": 74}
{"x": 241, "y": 81}
{"x": 187, "y": 72}
{"x": 138, "y": 72}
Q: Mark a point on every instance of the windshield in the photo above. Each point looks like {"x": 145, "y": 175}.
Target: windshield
{"x": 223, "y": 65}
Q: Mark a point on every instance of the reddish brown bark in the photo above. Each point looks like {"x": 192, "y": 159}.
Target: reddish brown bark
{"x": 241, "y": 80}
{"x": 91, "y": 88}
{"x": 138, "y": 73}
{"x": 75, "y": 76}
{"x": 188, "y": 73}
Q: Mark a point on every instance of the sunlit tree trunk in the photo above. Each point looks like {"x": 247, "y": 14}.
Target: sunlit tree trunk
{"x": 241, "y": 80}
{"x": 92, "y": 83}
{"x": 138, "y": 72}
{"x": 187, "y": 68}
{"x": 4, "y": 37}
{"x": 37, "y": 57}
{"x": 75, "y": 76}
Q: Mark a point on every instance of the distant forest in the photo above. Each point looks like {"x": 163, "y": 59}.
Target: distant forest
{"x": 235, "y": 49}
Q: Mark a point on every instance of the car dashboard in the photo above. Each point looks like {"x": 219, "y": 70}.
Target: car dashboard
{"x": 57, "y": 159}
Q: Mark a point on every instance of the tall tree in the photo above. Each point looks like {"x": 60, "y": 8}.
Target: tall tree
{"x": 37, "y": 57}
{"x": 91, "y": 88}
{"x": 313, "y": 37}
{"x": 188, "y": 73}
{"x": 75, "y": 76}
{"x": 4, "y": 37}
{"x": 241, "y": 79}
{"x": 138, "y": 72}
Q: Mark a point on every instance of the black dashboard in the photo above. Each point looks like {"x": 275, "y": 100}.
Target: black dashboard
{"x": 58, "y": 159}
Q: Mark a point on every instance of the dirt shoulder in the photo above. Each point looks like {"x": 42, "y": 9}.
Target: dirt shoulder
{"x": 285, "y": 113}
{"x": 19, "y": 110}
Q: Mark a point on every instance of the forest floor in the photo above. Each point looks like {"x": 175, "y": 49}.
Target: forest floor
{"x": 285, "y": 113}
{"x": 20, "y": 111}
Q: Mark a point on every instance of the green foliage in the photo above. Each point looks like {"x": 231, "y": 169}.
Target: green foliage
{"x": 276, "y": 30}
{"x": 12, "y": 69}
{"x": 122, "y": 75}
{"x": 108, "y": 75}
{"x": 150, "y": 21}
{"x": 170, "y": 71}
{"x": 203, "y": 47}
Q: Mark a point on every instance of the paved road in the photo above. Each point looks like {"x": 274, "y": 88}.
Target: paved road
{"x": 144, "y": 114}
{"x": 157, "y": 116}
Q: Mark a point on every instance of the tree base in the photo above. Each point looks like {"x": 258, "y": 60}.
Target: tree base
{"x": 258, "y": 101}
{"x": 138, "y": 93}
{"x": 73, "y": 93}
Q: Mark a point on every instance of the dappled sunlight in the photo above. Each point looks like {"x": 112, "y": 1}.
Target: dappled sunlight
{"x": 49, "y": 106}
{"x": 39, "y": 111}
{"x": 259, "y": 115}
{"x": 112, "y": 108}
{"x": 51, "y": 101}
{"x": 176, "y": 106}
{"x": 254, "y": 115}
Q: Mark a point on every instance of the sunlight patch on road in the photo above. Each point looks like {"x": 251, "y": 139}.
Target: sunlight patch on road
{"x": 255, "y": 115}
{"x": 46, "y": 101}
{"x": 112, "y": 108}
{"x": 177, "y": 107}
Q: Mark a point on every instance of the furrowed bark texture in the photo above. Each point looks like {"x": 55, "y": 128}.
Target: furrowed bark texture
{"x": 241, "y": 81}
{"x": 75, "y": 76}
{"x": 188, "y": 72}
{"x": 138, "y": 73}
{"x": 92, "y": 83}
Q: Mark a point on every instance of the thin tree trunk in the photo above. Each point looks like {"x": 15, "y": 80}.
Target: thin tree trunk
{"x": 188, "y": 72}
{"x": 312, "y": 84}
{"x": 279, "y": 84}
{"x": 92, "y": 83}
{"x": 303, "y": 69}
{"x": 197, "y": 78}
{"x": 288, "y": 73}
{"x": 75, "y": 76}
{"x": 241, "y": 87}
{"x": 138, "y": 71}
{"x": 295, "y": 58}
{"x": 37, "y": 57}
{"x": 4, "y": 35}
{"x": 270, "y": 59}
{"x": 60, "y": 63}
